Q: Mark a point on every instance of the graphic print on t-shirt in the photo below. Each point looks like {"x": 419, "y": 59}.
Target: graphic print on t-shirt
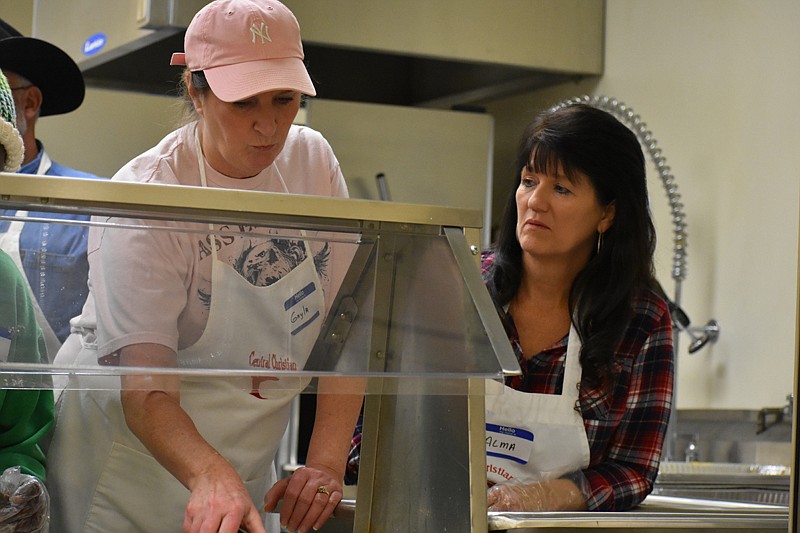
{"x": 262, "y": 262}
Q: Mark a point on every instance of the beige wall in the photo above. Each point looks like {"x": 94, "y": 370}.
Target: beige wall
{"x": 716, "y": 82}
{"x": 18, "y": 13}
{"x": 108, "y": 130}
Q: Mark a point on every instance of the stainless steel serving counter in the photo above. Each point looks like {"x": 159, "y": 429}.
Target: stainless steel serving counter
{"x": 656, "y": 513}
{"x": 687, "y": 497}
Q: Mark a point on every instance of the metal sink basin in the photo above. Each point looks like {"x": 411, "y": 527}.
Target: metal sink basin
{"x": 743, "y": 495}
{"x": 721, "y": 469}
{"x": 732, "y": 482}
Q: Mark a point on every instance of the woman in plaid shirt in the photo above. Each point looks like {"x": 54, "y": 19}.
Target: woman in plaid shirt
{"x": 572, "y": 275}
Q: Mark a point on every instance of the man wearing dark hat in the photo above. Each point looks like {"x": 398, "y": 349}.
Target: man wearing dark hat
{"x": 45, "y": 81}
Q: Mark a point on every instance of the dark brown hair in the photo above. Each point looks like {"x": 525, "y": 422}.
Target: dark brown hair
{"x": 584, "y": 139}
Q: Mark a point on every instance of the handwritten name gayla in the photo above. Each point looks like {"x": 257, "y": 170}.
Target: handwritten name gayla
{"x": 271, "y": 361}
{"x": 297, "y": 316}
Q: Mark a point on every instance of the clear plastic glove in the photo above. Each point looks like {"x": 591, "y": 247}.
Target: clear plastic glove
{"x": 551, "y": 495}
{"x": 24, "y": 502}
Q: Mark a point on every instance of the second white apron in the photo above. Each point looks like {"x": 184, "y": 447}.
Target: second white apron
{"x": 533, "y": 437}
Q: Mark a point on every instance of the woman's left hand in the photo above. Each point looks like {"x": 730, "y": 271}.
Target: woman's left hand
{"x": 309, "y": 497}
{"x": 550, "y": 495}
{"x": 516, "y": 497}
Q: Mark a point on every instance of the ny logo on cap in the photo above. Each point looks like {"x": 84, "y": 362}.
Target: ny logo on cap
{"x": 261, "y": 31}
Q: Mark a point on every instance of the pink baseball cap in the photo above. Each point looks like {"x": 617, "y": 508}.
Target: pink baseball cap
{"x": 246, "y": 47}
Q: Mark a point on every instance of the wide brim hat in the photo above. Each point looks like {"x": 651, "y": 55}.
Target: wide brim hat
{"x": 46, "y": 66}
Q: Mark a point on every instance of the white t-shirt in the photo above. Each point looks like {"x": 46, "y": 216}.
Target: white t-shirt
{"x": 154, "y": 286}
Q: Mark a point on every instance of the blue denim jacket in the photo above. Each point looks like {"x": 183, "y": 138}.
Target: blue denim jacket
{"x": 54, "y": 256}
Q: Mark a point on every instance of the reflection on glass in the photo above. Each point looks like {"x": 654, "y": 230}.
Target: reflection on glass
{"x": 208, "y": 312}
{"x": 266, "y": 307}
{"x": 50, "y": 250}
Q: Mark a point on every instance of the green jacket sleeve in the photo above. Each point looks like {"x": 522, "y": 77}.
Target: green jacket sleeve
{"x": 26, "y": 414}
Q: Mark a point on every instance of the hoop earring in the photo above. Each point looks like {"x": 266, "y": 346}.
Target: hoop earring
{"x": 599, "y": 241}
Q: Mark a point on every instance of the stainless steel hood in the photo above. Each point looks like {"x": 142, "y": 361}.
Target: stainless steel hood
{"x": 444, "y": 54}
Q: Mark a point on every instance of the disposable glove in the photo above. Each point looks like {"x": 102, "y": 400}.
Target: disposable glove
{"x": 24, "y": 502}
{"x": 551, "y": 495}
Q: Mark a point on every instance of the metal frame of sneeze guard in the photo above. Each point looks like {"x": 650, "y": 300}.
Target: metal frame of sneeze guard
{"x": 423, "y": 455}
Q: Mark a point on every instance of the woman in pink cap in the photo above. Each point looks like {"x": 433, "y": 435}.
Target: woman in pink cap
{"x": 174, "y": 453}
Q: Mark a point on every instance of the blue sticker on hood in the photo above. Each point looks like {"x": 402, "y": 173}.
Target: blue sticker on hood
{"x": 94, "y": 44}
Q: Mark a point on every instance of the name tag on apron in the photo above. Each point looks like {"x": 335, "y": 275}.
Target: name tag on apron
{"x": 301, "y": 316}
{"x": 514, "y": 444}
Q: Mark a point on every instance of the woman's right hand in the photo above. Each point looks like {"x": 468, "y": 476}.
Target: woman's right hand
{"x": 220, "y": 503}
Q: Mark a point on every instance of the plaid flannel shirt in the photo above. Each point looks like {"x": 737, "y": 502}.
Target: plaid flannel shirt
{"x": 626, "y": 429}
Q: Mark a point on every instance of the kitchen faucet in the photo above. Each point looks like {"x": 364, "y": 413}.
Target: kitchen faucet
{"x": 770, "y": 416}
{"x": 711, "y": 330}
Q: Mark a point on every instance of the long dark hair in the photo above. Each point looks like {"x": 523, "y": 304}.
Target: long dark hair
{"x": 584, "y": 139}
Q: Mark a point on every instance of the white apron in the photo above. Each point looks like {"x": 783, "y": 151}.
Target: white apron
{"x": 533, "y": 437}
{"x": 9, "y": 243}
{"x": 102, "y": 469}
